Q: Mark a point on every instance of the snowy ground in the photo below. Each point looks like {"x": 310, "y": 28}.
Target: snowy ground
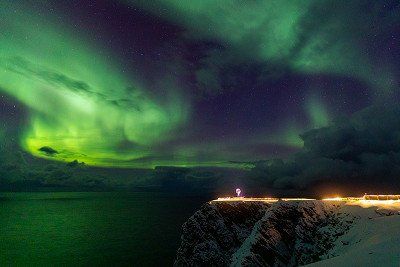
{"x": 373, "y": 240}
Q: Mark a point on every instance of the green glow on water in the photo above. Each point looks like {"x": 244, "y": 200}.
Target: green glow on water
{"x": 96, "y": 229}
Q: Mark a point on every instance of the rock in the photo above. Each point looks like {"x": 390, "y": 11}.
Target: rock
{"x": 286, "y": 233}
{"x": 216, "y": 231}
{"x": 386, "y": 212}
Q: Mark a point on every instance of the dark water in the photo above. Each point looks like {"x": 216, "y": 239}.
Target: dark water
{"x": 74, "y": 229}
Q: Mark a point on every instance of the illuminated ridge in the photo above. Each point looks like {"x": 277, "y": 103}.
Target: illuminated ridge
{"x": 366, "y": 198}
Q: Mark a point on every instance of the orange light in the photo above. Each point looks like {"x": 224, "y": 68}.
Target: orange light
{"x": 297, "y": 199}
{"x": 245, "y": 199}
{"x": 333, "y": 199}
{"x": 366, "y": 199}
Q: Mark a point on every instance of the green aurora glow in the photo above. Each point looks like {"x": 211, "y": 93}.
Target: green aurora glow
{"x": 82, "y": 103}
{"x": 310, "y": 36}
{"x": 318, "y": 113}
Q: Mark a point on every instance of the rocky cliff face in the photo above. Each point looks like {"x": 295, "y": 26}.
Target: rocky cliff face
{"x": 260, "y": 234}
{"x": 215, "y": 232}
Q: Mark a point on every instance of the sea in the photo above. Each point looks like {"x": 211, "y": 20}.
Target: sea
{"x": 93, "y": 228}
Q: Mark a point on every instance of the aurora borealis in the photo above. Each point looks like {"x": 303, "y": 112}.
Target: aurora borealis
{"x": 80, "y": 103}
{"x": 190, "y": 83}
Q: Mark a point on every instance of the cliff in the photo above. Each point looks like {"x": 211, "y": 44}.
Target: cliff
{"x": 284, "y": 233}
{"x": 215, "y": 232}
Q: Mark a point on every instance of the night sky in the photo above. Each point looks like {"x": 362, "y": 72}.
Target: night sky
{"x": 189, "y": 83}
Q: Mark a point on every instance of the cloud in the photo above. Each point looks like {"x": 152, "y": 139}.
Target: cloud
{"x": 48, "y": 150}
{"x": 363, "y": 151}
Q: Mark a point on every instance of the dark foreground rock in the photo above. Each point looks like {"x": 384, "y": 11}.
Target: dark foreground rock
{"x": 285, "y": 233}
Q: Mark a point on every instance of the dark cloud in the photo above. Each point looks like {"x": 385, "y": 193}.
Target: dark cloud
{"x": 48, "y": 151}
{"x": 353, "y": 155}
{"x": 20, "y": 171}
{"x": 362, "y": 151}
